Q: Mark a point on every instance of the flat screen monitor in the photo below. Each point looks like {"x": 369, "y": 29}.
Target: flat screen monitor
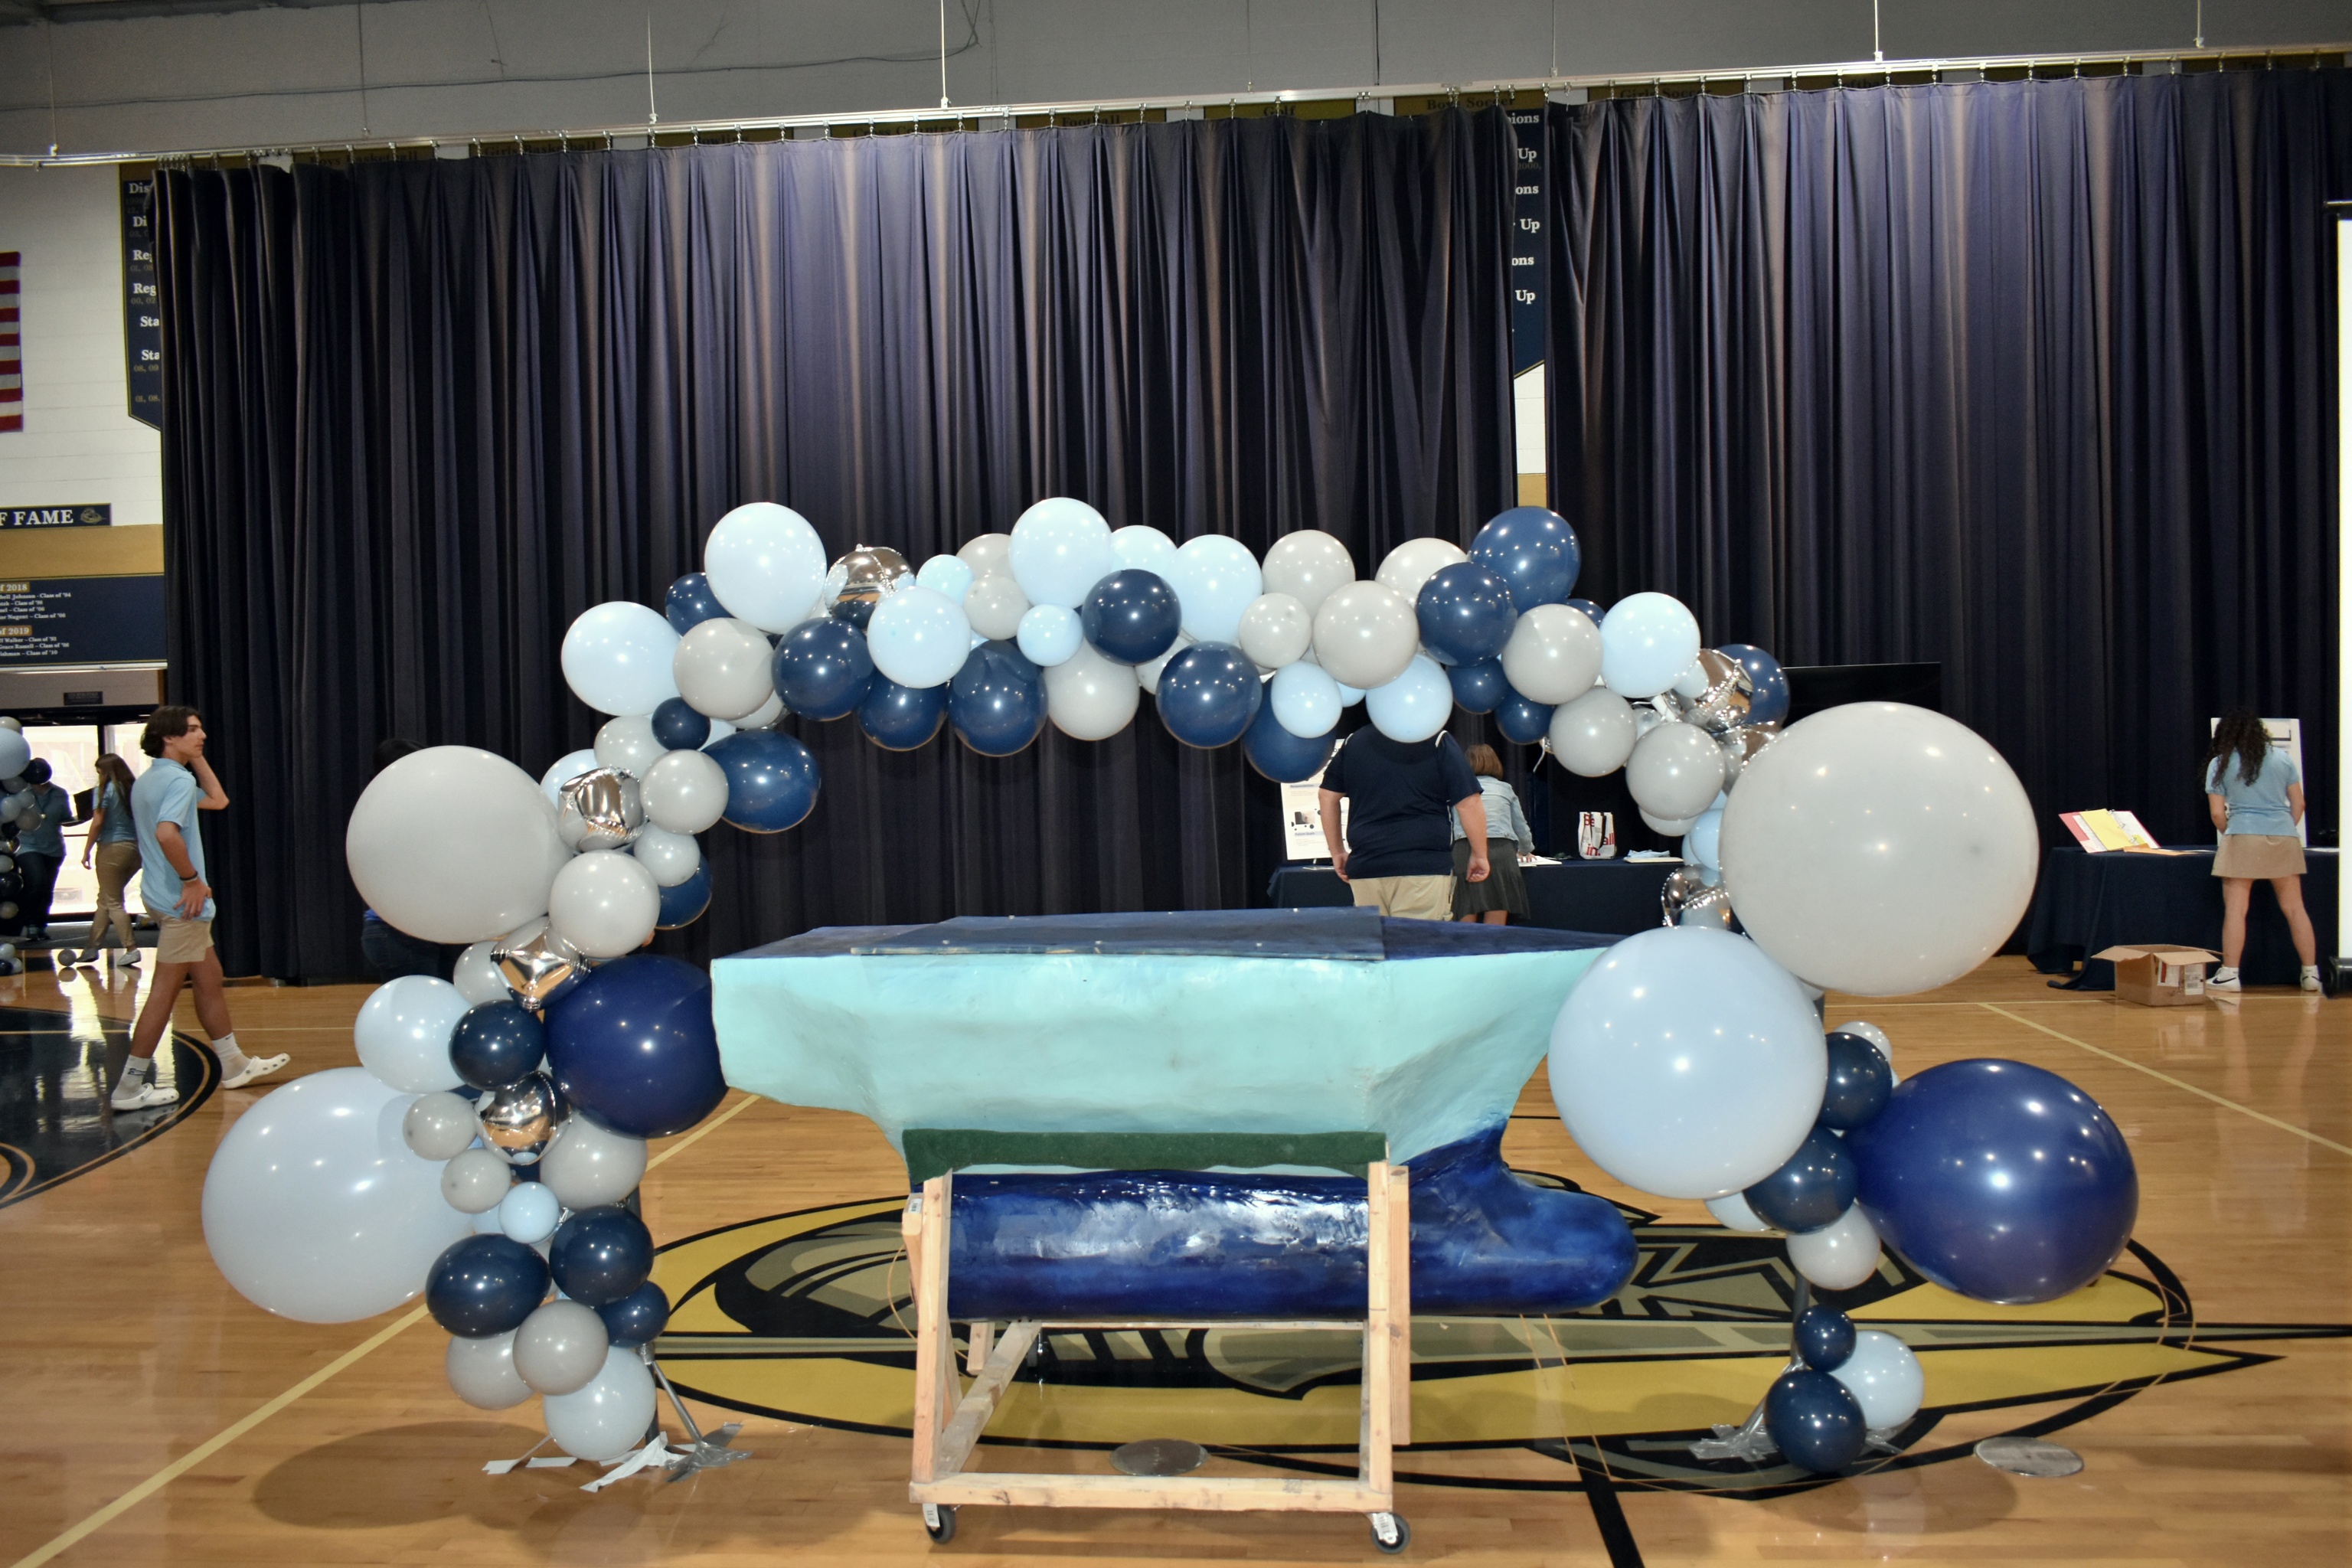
{"x": 1813, "y": 686}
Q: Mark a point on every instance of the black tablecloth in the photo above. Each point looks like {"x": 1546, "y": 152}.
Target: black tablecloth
{"x": 1613, "y": 897}
{"x": 2086, "y": 903}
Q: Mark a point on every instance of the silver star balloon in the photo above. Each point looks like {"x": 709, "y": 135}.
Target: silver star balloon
{"x": 537, "y": 964}
{"x": 861, "y": 579}
{"x": 519, "y": 1121}
{"x": 602, "y": 809}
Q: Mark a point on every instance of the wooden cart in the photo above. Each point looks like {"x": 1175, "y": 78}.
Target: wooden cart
{"x": 949, "y": 1419}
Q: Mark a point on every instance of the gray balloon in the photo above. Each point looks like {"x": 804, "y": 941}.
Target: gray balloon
{"x": 438, "y": 1126}
{"x": 475, "y": 1181}
{"x": 482, "y": 1372}
{"x": 560, "y": 1347}
{"x": 608, "y": 1417}
{"x": 1675, "y": 772}
{"x": 587, "y": 1167}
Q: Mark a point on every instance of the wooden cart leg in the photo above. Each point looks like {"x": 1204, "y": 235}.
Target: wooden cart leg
{"x": 934, "y": 1350}
{"x": 1401, "y": 1302}
{"x": 983, "y": 1336}
{"x": 1375, "y": 1465}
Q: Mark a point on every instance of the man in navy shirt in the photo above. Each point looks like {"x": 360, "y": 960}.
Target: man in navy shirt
{"x": 1398, "y": 855}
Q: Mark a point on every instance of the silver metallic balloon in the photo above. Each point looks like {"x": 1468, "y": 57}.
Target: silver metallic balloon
{"x": 1722, "y": 706}
{"x": 1689, "y": 898}
{"x": 537, "y": 964}
{"x": 861, "y": 579}
{"x": 519, "y": 1121}
{"x": 601, "y": 809}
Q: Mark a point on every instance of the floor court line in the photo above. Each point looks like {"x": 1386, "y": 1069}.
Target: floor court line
{"x": 2168, "y": 1077}
{"x": 343, "y": 1363}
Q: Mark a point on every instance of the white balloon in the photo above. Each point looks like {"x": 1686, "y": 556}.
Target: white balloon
{"x": 724, "y": 669}
{"x": 1840, "y": 1254}
{"x": 560, "y": 1347}
{"x": 1215, "y": 578}
{"x": 1647, "y": 640}
{"x": 1415, "y": 705}
{"x": 685, "y": 792}
{"x": 1089, "y": 696}
{"x": 315, "y": 1209}
{"x": 1594, "y": 734}
{"x": 1049, "y": 635}
{"x": 1277, "y": 630}
{"x": 609, "y": 1417}
{"x": 439, "y": 1126}
{"x": 919, "y": 636}
{"x": 672, "y": 858}
{"x": 989, "y": 552}
{"x": 949, "y": 576}
{"x": 1687, "y": 1063}
{"x": 453, "y": 844}
{"x": 627, "y": 743}
{"x": 1365, "y": 635}
{"x": 765, "y": 564}
{"x": 1885, "y": 1378}
{"x": 1668, "y": 826}
{"x": 1144, "y": 548}
{"x": 1147, "y": 675}
{"x": 616, "y": 657}
{"x": 587, "y": 1167}
{"x": 1675, "y": 770}
{"x": 1879, "y": 848}
{"x": 566, "y": 768}
{"x": 474, "y": 1182}
{"x": 1731, "y": 1211}
{"x": 993, "y": 607}
{"x": 604, "y": 903}
{"x": 1308, "y": 565}
{"x": 402, "y": 1033}
{"x": 476, "y": 975}
{"x": 1061, "y": 549}
{"x": 1553, "y": 655}
{"x": 1305, "y": 700}
{"x": 1414, "y": 562}
{"x": 482, "y": 1372}
{"x": 16, "y": 752}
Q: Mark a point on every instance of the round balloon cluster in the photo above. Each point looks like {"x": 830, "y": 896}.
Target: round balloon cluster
{"x": 1842, "y": 1388}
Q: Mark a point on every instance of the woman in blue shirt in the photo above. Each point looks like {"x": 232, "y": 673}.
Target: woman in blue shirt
{"x": 2256, "y": 797}
{"x": 113, "y": 842}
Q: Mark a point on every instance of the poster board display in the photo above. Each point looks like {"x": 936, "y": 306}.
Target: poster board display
{"x": 1302, "y": 820}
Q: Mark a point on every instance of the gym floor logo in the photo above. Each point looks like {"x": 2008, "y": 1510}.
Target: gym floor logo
{"x": 807, "y": 1317}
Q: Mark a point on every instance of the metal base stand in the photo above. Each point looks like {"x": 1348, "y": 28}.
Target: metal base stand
{"x": 2033, "y": 1457}
{"x": 702, "y": 1451}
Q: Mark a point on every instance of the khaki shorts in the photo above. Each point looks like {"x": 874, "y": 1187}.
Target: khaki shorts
{"x": 1407, "y": 898}
{"x": 2259, "y": 856}
{"x": 183, "y": 941}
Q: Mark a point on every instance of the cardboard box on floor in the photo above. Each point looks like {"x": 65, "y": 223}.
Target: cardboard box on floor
{"x": 2159, "y": 976}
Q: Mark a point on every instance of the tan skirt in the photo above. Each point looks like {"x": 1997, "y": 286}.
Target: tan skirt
{"x": 2259, "y": 856}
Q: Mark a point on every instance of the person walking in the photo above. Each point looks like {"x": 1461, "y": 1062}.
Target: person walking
{"x": 1397, "y": 853}
{"x": 113, "y": 842}
{"x": 2256, "y": 797}
{"x": 1504, "y": 893}
{"x": 164, "y": 805}
{"x": 41, "y": 847}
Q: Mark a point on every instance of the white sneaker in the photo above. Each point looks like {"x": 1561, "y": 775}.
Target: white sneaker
{"x": 130, "y": 957}
{"x": 145, "y": 1098}
{"x": 2231, "y": 986}
{"x": 255, "y": 1067}
{"x": 2311, "y": 980}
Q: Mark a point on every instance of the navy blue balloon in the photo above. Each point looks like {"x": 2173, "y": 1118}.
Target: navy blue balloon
{"x": 1815, "y": 1421}
{"x": 1534, "y": 552}
{"x": 638, "y": 1317}
{"x": 683, "y": 903}
{"x": 633, "y": 1049}
{"x": 496, "y": 1044}
{"x": 1824, "y": 1337}
{"x": 1860, "y": 1081}
{"x": 1478, "y": 688}
{"x": 1521, "y": 722}
{"x": 1282, "y": 756}
{"x": 1465, "y": 613}
{"x": 902, "y": 718}
{"x": 823, "y": 668}
{"x": 771, "y": 779}
{"x": 997, "y": 700}
{"x": 1132, "y": 615}
{"x": 1590, "y": 609}
{"x": 678, "y": 727}
{"x": 1209, "y": 693}
{"x": 691, "y": 602}
{"x": 485, "y": 1285}
{"x": 1812, "y": 1189}
{"x": 1998, "y": 1180}
{"x": 601, "y": 1255}
{"x": 1770, "y": 703}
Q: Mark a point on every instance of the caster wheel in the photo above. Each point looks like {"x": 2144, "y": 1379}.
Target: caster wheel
{"x": 1390, "y": 1533}
{"x": 939, "y": 1523}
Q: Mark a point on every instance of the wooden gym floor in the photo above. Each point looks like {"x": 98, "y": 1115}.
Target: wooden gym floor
{"x": 154, "y": 1416}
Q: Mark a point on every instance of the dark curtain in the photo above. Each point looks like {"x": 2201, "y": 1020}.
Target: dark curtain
{"x": 420, "y": 415}
{"x": 2033, "y": 378}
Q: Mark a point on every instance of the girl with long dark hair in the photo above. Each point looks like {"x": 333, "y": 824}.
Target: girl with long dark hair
{"x": 2256, "y": 797}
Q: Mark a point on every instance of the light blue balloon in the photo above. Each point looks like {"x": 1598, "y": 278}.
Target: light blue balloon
{"x": 1647, "y": 640}
{"x": 1305, "y": 700}
{"x": 1143, "y": 547}
{"x": 950, "y": 575}
{"x": 1699, "y": 844}
{"x": 1415, "y": 705}
{"x": 1350, "y": 695}
{"x": 529, "y": 1212}
{"x": 1049, "y": 635}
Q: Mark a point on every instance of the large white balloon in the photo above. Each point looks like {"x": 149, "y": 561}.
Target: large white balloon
{"x": 1305, "y": 700}
{"x": 609, "y": 1417}
{"x": 1277, "y": 630}
{"x": 1885, "y": 1378}
{"x": 315, "y": 1209}
{"x": 627, "y": 743}
{"x": 685, "y": 792}
{"x": 1594, "y": 734}
{"x": 1049, "y": 635}
{"x": 1144, "y": 548}
{"x": 1675, "y": 771}
{"x": 616, "y": 657}
{"x": 1647, "y": 640}
{"x": 1688, "y": 1064}
{"x": 482, "y": 1372}
{"x": 450, "y": 844}
{"x": 1879, "y": 848}
{"x": 1308, "y": 565}
{"x": 919, "y": 636}
{"x": 1365, "y": 635}
{"x": 765, "y": 564}
{"x": 1091, "y": 697}
{"x": 604, "y": 903}
{"x": 1061, "y": 549}
{"x": 1215, "y": 578}
{"x": 1553, "y": 655}
{"x": 1840, "y": 1254}
{"x": 403, "y": 1032}
{"x": 1414, "y": 562}
{"x": 724, "y": 669}
{"x": 587, "y": 1167}
{"x": 16, "y": 752}
{"x": 1413, "y": 706}
{"x": 994, "y": 608}
{"x": 564, "y": 769}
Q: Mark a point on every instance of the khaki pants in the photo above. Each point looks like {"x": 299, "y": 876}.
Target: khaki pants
{"x": 1407, "y": 898}
{"x": 116, "y": 864}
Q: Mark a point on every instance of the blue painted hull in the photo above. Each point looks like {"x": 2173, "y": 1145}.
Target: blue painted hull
{"x": 1178, "y": 1244}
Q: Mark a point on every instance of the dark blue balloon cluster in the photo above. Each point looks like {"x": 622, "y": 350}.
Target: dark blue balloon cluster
{"x": 1812, "y": 1417}
{"x": 1819, "y": 1182}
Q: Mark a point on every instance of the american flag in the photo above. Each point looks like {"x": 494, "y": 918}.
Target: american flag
{"x": 11, "y": 358}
